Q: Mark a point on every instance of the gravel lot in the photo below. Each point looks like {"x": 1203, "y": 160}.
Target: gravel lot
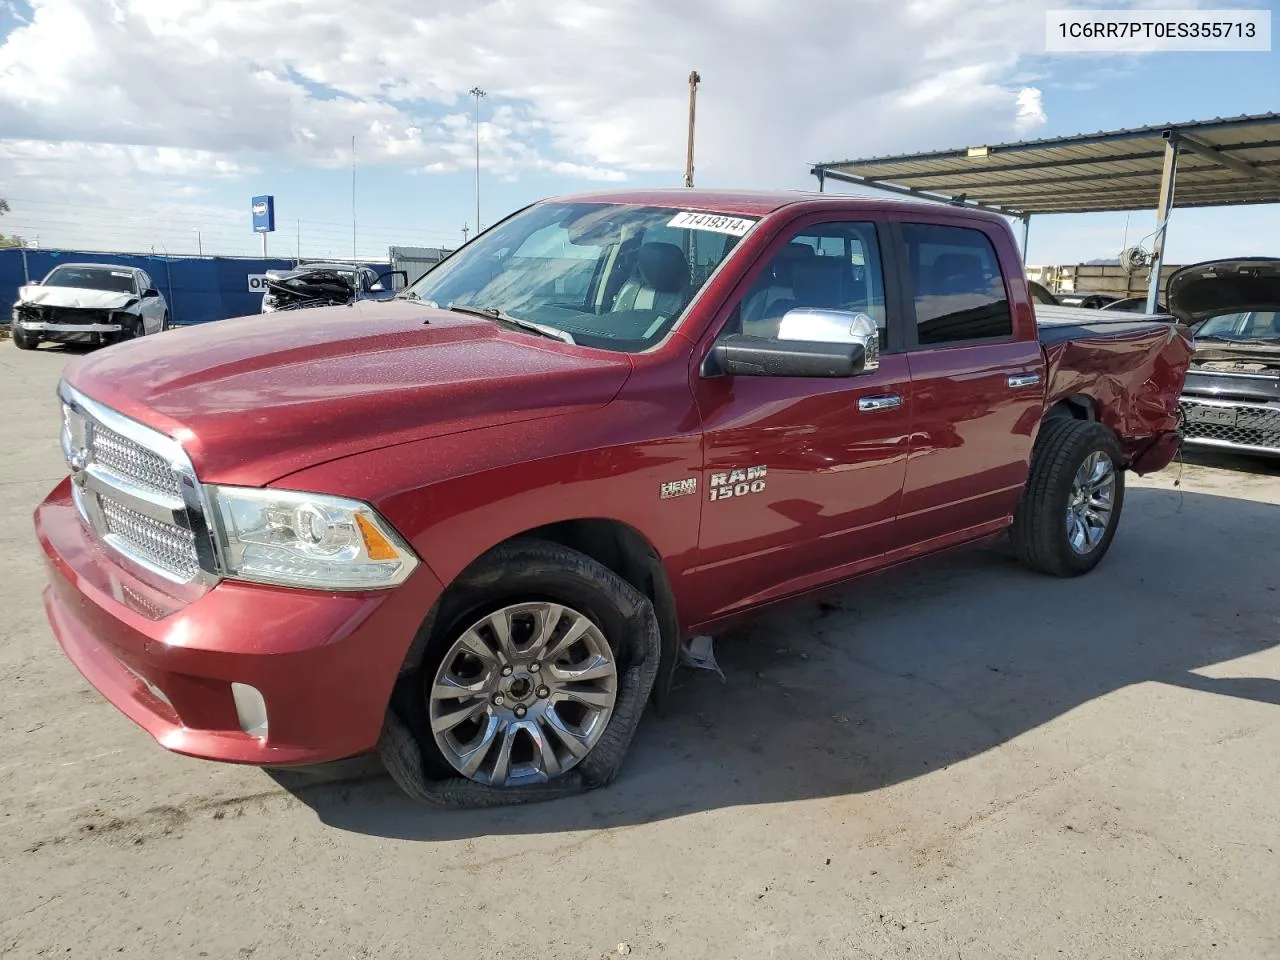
{"x": 962, "y": 760}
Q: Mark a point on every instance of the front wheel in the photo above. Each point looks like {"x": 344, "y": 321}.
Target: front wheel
{"x": 24, "y": 340}
{"x": 521, "y": 672}
{"x": 1071, "y": 506}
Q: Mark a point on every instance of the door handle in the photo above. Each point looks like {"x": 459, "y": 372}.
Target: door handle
{"x": 888, "y": 401}
{"x": 1024, "y": 379}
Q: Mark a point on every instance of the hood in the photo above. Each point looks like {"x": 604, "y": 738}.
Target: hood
{"x": 75, "y": 297}
{"x": 1216, "y": 287}
{"x": 256, "y": 398}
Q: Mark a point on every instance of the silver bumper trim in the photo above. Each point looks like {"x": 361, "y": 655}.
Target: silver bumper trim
{"x": 1228, "y": 445}
{"x": 40, "y": 325}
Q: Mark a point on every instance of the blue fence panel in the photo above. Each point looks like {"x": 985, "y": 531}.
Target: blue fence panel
{"x": 197, "y": 289}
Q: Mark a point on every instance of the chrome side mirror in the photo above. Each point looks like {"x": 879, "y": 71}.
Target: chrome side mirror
{"x": 833, "y": 326}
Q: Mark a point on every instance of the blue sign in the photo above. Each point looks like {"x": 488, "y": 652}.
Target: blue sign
{"x": 264, "y": 214}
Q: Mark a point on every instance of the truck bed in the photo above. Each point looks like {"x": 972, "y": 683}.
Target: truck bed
{"x": 1057, "y": 324}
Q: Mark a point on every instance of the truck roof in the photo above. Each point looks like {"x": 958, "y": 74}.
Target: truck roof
{"x": 757, "y": 203}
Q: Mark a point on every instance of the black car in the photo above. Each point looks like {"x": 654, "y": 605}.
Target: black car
{"x": 1133, "y": 305}
{"x": 1083, "y": 298}
{"x": 1232, "y": 395}
{"x": 1041, "y": 293}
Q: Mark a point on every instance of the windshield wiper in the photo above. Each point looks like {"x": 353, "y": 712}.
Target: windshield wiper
{"x": 493, "y": 313}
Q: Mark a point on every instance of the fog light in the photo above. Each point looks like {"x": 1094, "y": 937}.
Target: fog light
{"x": 251, "y": 709}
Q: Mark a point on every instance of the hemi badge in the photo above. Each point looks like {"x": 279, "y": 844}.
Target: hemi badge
{"x": 678, "y": 488}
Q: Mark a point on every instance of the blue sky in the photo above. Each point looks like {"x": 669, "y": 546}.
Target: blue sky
{"x": 150, "y": 123}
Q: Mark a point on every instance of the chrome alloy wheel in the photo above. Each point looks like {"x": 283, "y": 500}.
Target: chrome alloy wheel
{"x": 523, "y": 694}
{"x": 1091, "y": 502}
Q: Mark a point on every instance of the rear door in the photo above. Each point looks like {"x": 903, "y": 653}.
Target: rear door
{"x": 802, "y": 475}
{"x": 977, "y": 379}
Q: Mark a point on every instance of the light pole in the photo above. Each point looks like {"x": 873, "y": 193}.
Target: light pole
{"x": 478, "y": 93}
{"x": 694, "y": 80}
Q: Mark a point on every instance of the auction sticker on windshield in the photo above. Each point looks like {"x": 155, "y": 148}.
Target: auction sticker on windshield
{"x": 734, "y": 226}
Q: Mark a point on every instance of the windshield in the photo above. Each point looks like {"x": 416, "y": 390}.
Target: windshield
{"x": 616, "y": 276}
{"x": 91, "y": 278}
{"x": 1253, "y": 325}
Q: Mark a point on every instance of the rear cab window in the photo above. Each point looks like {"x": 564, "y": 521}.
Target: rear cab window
{"x": 957, "y": 287}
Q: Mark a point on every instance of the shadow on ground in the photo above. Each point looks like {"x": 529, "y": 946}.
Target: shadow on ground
{"x": 1225, "y": 460}
{"x": 899, "y": 675}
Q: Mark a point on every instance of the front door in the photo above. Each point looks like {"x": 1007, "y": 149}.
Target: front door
{"x": 152, "y": 309}
{"x": 802, "y": 476}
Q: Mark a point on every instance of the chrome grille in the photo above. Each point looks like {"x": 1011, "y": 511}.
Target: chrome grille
{"x": 1243, "y": 425}
{"x": 136, "y": 489}
{"x": 163, "y": 545}
{"x": 133, "y": 462}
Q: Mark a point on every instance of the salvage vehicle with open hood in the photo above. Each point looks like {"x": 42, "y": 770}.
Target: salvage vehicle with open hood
{"x": 470, "y": 527}
{"x": 1232, "y": 396}
{"x": 91, "y": 303}
{"x": 326, "y": 284}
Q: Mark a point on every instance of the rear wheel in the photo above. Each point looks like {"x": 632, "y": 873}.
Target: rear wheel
{"x": 518, "y": 680}
{"x": 24, "y": 340}
{"x": 1071, "y": 506}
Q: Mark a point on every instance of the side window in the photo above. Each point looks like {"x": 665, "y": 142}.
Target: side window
{"x": 144, "y": 281}
{"x": 959, "y": 290}
{"x": 833, "y": 266}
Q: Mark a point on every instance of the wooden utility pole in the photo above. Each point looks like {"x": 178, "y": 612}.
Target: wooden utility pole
{"x": 694, "y": 80}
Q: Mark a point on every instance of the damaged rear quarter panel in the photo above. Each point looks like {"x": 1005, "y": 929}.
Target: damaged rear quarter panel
{"x": 1134, "y": 380}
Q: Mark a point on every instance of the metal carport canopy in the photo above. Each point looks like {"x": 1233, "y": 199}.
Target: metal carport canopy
{"x": 1197, "y": 164}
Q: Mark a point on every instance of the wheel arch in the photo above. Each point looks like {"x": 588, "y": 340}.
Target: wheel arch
{"x": 1078, "y": 406}
{"x": 627, "y": 552}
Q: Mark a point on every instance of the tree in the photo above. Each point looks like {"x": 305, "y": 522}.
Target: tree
{"x": 12, "y": 240}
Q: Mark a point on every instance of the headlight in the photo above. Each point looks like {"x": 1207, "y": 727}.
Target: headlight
{"x": 308, "y": 540}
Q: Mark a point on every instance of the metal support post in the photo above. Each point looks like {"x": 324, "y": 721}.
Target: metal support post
{"x": 1167, "y": 177}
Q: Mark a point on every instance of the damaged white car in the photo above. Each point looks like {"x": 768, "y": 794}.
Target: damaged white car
{"x": 89, "y": 303}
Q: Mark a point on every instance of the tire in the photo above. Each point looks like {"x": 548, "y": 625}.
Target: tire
{"x": 164, "y": 322}
{"x": 23, "y": 340}
{"x": 540, "y": 725}
{"x": 132, "y": 329}
{"x": 1056, "y": 527}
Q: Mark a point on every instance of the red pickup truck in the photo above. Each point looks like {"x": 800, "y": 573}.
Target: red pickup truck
{"x": 470, "y": 526}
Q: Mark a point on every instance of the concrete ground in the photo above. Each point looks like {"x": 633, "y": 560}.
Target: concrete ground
{"x": 962, "y": 760}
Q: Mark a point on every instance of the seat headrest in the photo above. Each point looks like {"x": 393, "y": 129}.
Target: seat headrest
{"x": 956, "y": 273}
{"x": 663, "y": 267}
{"x": 819, "y": 282}
{"x": 798, "y": 251}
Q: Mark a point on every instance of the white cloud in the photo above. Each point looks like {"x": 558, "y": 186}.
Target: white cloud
{"x": 145, "y": 101}
{"x": 1030, "y": 110}
{"x": 591, "y": 88}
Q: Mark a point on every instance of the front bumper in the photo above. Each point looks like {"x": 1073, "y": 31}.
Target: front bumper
{"x": 324, "y": 663}
{"x": 42, "y": 326}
